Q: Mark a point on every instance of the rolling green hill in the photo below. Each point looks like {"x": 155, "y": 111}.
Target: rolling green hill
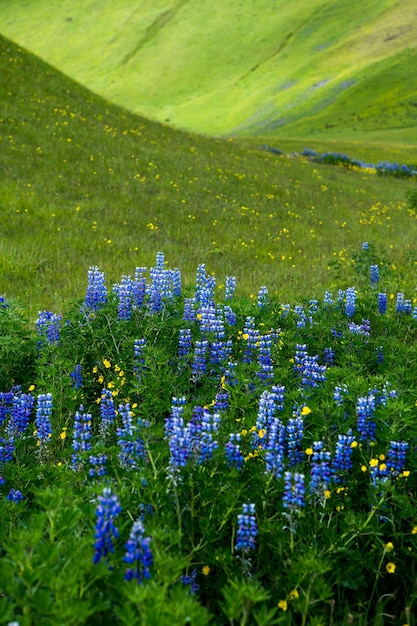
{"x": 322, "y": 69}
{"x": 84, "y": 182}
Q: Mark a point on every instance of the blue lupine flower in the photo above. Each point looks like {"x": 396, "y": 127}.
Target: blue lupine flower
{"x": 132, "y": 447}
{"x": 139, "y": 286}
{"x": 105, "y": 530}
{"x": 278, "y": 392}
{"x": 199, "y": 364}
{"x": 6, "y": 403}
{"x": 20, "y": 414}
{"x": 374, "y": 274}
{"x": 230, "y": 377}
{"x": 125, "y": 295}
{"x": 230, "y": 287}
{"x": 176, "y": 282}
{"x": 49, "y": 326}
{"x": 308, "y": 367}
{"x": 253, "y": 335}
{"x": 15, "y": 495}
{"x": 138, "y": 553}
{"x": 301, "y": 318}
{"x": 43, "y": 420}
{"x": 184, "y": 343}
{"x": 382, "y": 303}
{"x": 365, "y": 245}
{"x": 266, "y": 412}
{"x": 160, "y": 260}
{"x": 263, "y": 297}
{"x": 402, "y": 305}
{"x": 363, "y": 329}
{"x": 107, "y": 412}
{"x": 76, "y": 377}
{"x": 81, "y": 439}
{"x": 204, "y": 287}
{"x": 294, "y": 492}
{"x": 350, "y": 301}
{"x": 98, "y": 465}
{"x": 396, "y": 455}
{"x": 264, "y": 358}
{"x": 274, "y": 444}
{"x": 221, "y": 401}
{"x": 189, "y": 309}
{"x": 6, "y": 449}
{"x": 139, "y": 350}
{"x": 229, "y": 315}
{"x": 190, "y": 580}
{"x": 300, "y": 356}
{"x": 342, "y": 460}
{"x": 234, "y": 456}
{"x": 328, "y": 356}
{"x": 366, "y": 422}
{"x": 320, "y": 472}
{"x": 206, "y": 444}
{"x": 340, "y": 393}
{"x": 247, "y": 530}
{"x": 2, "y": 481}
{"x": 96, "y": 295}
{"x": 295, "y": 432}
{"x": 328, "y": 298}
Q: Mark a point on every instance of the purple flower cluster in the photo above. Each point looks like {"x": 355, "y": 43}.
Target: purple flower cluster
{"x": 105, "y": 530}
{"x": 43, "y": 419}
{"x": 247, "y": 530}
{"x": 49, "y": 327}
{"x": 138, "y": 553}
{"x": 96, "y": 295}
{"x": 294, "y": 492}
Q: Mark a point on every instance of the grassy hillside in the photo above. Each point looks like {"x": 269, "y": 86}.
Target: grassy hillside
{"x": 316, "y": 70}
{"x": 86, "y": 183}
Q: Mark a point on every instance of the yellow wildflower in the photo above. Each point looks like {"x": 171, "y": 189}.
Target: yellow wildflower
{"x": 283, "y": 604}
{"x": 305, "y": 410}
{"x": 294, "y": 594}
{"x": 106, "y": 363}
{"x": 309, "y": 451}
{"x": 327, "y": 494}
{"x": 206, "y": 570}
{"x": 373, "y": 462}
{"x": 31, "y": 388}
{"x": 390, "y": 567}
{"x": 389, "y": 547}
{"x": 354, "y": 444}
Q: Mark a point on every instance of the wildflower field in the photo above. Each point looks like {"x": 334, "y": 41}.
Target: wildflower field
{"x": 202, "y": 459}
{"x": 231, "y": 441}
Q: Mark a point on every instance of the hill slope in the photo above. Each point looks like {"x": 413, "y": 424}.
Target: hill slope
{"x": 253, "y": 68}
{"x": 84, "y": 182}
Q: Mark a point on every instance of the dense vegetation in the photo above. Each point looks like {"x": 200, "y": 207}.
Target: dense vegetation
{"x": 203, "y": 460}
{"x": 232, "y": 443}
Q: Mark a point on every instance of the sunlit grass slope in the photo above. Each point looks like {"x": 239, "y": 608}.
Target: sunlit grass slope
{"x": 277, "y": 69}
{"x": 84, "y": 183}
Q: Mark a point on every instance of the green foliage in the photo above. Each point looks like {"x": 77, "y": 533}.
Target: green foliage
{"x": 17, "y": 346}
{"x": 344, "y": 556}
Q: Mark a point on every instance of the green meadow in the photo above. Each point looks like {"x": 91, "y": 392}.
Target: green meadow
{"x": 318, "y": 70}
{"x": 87, "y": 183}
{"x": 208, "y": 398}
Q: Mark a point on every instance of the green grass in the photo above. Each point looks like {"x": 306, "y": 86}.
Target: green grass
{"x": 86, "y": 183}
{"x": 313, "y": 70}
